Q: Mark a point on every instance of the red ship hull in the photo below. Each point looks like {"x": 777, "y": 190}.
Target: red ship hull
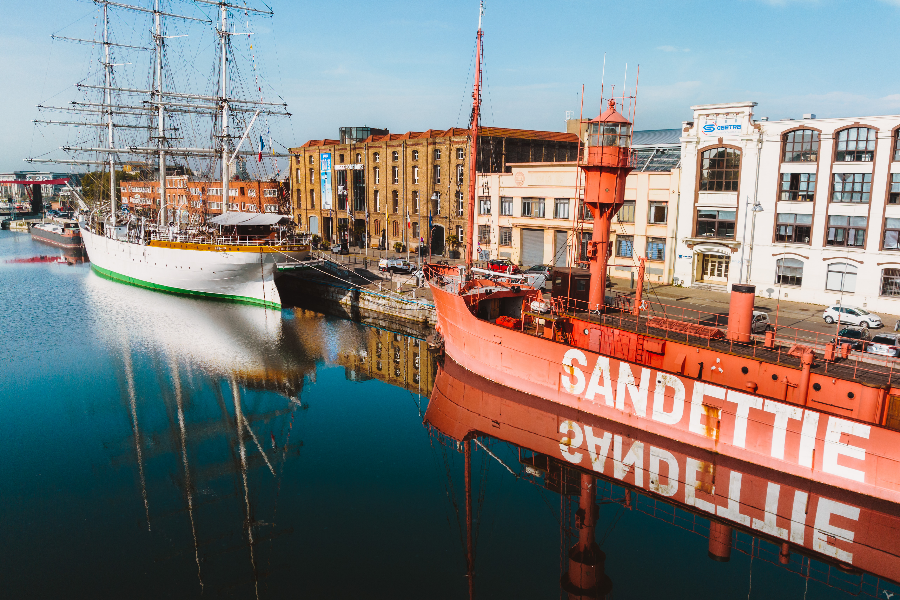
{"x": 835, "y": 524}
{"x": 710, "y": 413}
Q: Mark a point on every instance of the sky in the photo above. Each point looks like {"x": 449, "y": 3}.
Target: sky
{"x": 407, "y": 65}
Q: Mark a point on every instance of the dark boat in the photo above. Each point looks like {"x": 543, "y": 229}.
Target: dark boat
{"x": 63, "y": 233}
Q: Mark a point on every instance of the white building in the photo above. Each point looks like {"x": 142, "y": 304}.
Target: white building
{"x": 529, "y": 215}
{"x": 805, "y": 209}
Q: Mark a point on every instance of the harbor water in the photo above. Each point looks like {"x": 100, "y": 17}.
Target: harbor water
{"x": 155, "y": 446}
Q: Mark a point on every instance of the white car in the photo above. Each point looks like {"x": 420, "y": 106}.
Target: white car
{"x": 885, "y": 345}
{"x": 851, "y": 316}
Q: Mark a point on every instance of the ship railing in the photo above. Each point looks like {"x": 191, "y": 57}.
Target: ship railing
{"x": 785, "y": 343}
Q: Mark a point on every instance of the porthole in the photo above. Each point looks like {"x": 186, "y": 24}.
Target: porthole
{"x": 850, "y": 395}
{"x": 745, "y": 370}
{"x": 774, "y": 377}
{"x": 585, "y": 332}
{"x": 817, "y": 386}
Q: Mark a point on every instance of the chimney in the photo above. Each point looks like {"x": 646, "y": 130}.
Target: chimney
{"x": 740, "y": 312}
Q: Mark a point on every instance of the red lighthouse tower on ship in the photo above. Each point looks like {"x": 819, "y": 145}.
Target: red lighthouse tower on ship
{"x": 606, "y": 164}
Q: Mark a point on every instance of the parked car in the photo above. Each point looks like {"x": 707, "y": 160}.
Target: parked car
{"x": 503, "y": 265}
{"x": 851, "y": 316}
{"x": 760, "y": 323}
{"x": 857, "y": 338}
{"x": 395, "y": 265}
{"x": 542, "y": 269}
{"x": 885, "y": 344}
{"x": 340, "y": 249}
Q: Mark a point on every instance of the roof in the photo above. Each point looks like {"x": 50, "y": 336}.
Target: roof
{"x": 656, "y": 159}
{"x": 525, "y": 134}
{"x": 242, "y": 218}
{"x": 656, "y": 137}
{"x": 610, "y": 115}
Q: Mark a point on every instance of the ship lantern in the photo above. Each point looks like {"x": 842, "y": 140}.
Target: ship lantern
{"x": 606, "y": 164}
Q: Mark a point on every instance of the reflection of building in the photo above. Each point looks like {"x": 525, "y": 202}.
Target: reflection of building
{"x": 197, "y": 198}
{"x": 789, "y": 521}
{"x": 811, "y": 206}
{"x": 527, "y": 215}
{"x": 392, "y": 357}
{"x": 369, "y": 173}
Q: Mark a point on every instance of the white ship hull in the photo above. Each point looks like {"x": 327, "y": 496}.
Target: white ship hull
{"x": 235, "y": 274}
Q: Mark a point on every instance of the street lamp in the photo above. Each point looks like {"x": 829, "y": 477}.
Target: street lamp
{"x": 757, "y": 208}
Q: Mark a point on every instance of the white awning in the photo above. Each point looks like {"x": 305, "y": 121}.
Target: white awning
{"x": 242, "y": 218}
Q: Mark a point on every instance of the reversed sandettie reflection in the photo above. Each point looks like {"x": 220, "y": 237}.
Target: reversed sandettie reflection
{"x": 814, "y": 530}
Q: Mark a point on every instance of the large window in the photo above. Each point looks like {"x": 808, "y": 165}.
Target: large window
{"x": 892, "y": 234}
{"x": 801, "y": 145}
{"x": 715, "y": 223}
{"x": 798, "y": 186}
{"x": 415, "y": 201}
{"x": 460, "y": 153}
{"x": 415, "y": 174}
{"x": 856, "y": 144}
{"x": 460, "y": 174}
{"x": 788, "y": 271}
{"x": 533, "y": 207}
{"x": 376, "y": 172}
{"x": 890, "y": 282}
{"x": 846, "y": 231}
{"x": 506, "y": 206}
{"x": 656, "y": 249}
{"x": 395, "y": 175}
{"x": 841, "y": 278}
{"x": 437, "y": 172}
{"x": 506, "y": 236}
{"x": 312, "y": 198}
{"x": 484, "y": 205}
{"x": 659, "y": 213}
{"x": 395, "y": 202}
{"x": 894, "y": 194}
{"x": 626, "y": 213}
{"x": 395, "y": 156}
{"x": 460, "y": 205}
{"x": 793, "y": 229}
{"x": 851, "y": 187}
{"x": 561, "y": 208}
{"x": 484, "y": 234}
{"x": 719, "y": 170}
{"x": 625, "y": 246}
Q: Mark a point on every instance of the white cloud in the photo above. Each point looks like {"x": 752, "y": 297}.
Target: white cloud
{"x": 675, "y": 48}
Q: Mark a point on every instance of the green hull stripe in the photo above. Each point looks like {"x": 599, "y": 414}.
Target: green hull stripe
{"x": 106, "y": 273}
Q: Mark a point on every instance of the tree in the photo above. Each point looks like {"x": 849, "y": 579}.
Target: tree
{"x": 95, "y": 185}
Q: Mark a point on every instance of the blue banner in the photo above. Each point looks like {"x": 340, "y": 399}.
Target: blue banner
{"x": 325, "y": 175}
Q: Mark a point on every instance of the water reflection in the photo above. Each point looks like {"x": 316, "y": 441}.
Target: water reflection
{"x": 838, "y": 538}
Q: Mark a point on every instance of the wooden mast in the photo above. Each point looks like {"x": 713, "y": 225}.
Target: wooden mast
{"x": 476, "y": 112}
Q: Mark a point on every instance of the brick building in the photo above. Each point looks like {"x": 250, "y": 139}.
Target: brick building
{"x": 374, "y": 187}
{"x": 196, "y": 198}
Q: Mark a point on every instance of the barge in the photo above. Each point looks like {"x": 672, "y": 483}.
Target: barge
{"x": 62, "y": 233}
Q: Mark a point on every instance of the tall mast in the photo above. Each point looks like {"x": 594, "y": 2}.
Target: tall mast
{"x": 163, "y": 220}
{"x": 224, "y": 49}
{"x": 476, "y": 113}
{"x": 109, "y": 122}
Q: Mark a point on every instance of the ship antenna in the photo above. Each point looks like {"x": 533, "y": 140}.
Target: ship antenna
{"x": 476, "y": 114}
{"x": 223, "y": 34}
{"x": 109, "y": 123}
{"x": 158, "y": 39}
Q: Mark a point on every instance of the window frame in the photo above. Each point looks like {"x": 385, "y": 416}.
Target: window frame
{"x": 505, "y": 237}
{"x": 837, "y": 142}
{"x": 661, "y": 253}
{"x": 794, "y": 225}
{"x": 561, "y": 203}
{"x": 881, "y": 285}
{"x": 484, "y": 202}
{"x": 780, "y": 276}
{"x": 395, "y": 156}
{"x": 799, "y": 195}
{"x": 650, "y": 211}
{"x": 848, "y": 228}
{"x": 376, "y": 157}
{"x": 622, "y": 210}
{"x": 717, "y": 220}
{"x": 703, "y": 182}
{"x": 884, "y": 231}
{"x": 484, "y": 234}
{"x": 865, "y": 193}
{"x": 809, "y": 155}
{"x": 460, "y": 153}
{"x": 506, "y": 206}
{"x": 843, "y": 286}
{"x": 622, "y": 240}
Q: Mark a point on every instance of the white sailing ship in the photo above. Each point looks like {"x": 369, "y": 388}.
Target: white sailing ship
{"x": 233, "y": 256}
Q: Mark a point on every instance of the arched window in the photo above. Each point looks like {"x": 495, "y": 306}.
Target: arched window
{"x": 801, "y": 145}
{"x": 395, "y": 156}
{"x": 358, "y": 157}
{"x": 395, "y": 229}
{"x": 415, "y": 155}
{"x": 856, "y": 144}
{"x": 395, "y": 202}
{"x": 376, "y": 226}
{"x": 788, "y": 271}
{"x": 720, "y": 170}
{"x": 376, "y": 157}
{"x": 311, "y": 160}
{"x": 841, "y": 277}
{"x": 460, "y": 174}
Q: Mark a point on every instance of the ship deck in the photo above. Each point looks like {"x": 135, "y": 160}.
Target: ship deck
{"x": 866, "y": 372}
